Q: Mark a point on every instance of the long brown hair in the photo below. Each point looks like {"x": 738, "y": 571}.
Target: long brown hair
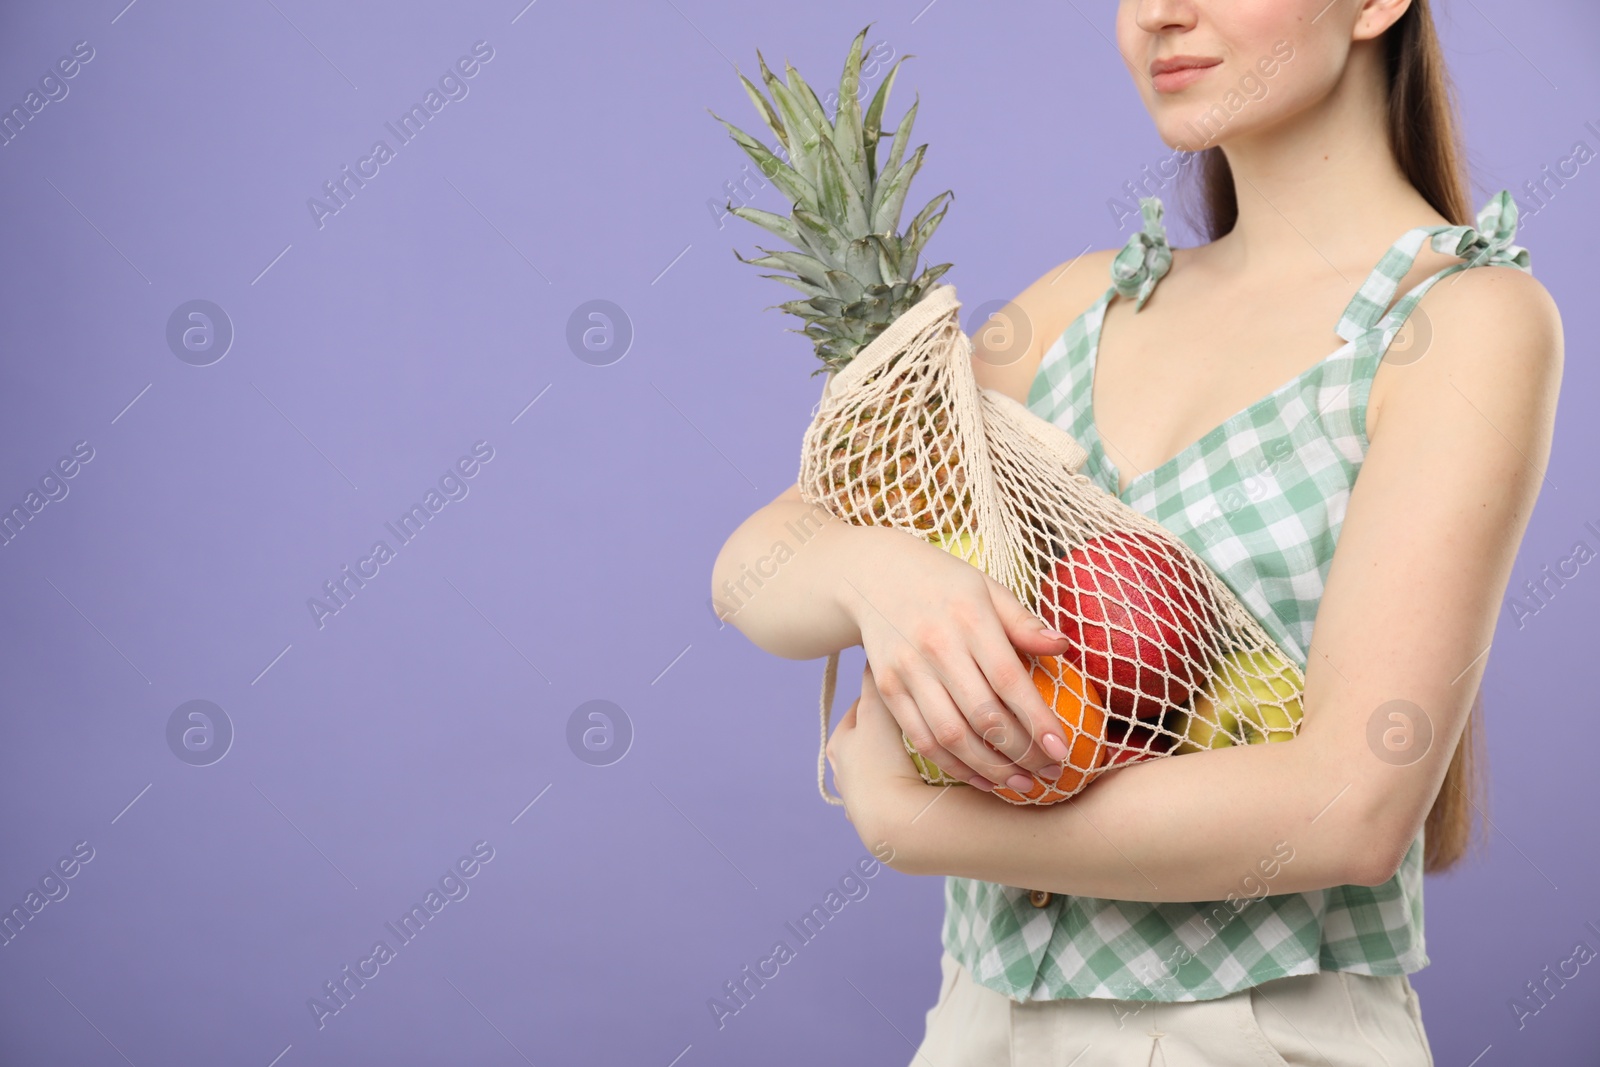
{"x": 1424, "y": 137}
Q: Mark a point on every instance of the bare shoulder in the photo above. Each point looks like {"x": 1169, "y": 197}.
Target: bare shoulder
{"x": 1006, "y": 352}
{"x": 1494, "y": 336}
{"x": 1496, "y": 321}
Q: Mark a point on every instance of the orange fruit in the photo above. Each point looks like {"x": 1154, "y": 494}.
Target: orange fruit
{"x": 1082, "y": 710}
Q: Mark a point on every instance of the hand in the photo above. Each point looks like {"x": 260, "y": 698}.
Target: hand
{"x": 871, "y": 769}
{"x": 942, "y": 641}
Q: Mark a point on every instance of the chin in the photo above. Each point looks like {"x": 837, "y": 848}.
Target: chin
{"x": 1183, "y": 131}
{"x": 1208, "y": 120}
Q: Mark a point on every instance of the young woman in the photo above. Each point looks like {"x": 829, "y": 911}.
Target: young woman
{"x": 1260, "y": 903}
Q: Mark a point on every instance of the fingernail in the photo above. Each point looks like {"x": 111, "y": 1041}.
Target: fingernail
{"x": 1020, "y": 782}
{"x": 980, "y": 782}
{"x": 1054, "y": 747}
{"x": 1052, "y": 634}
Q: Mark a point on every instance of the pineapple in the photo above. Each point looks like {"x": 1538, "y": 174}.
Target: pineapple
{"x": 858, "y": 274}
{"x": 856, "y": 271}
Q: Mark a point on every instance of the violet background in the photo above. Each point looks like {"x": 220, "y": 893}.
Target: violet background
{"x": 431, "y": 710}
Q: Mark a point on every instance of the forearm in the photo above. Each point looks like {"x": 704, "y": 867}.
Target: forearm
{"x": 777, "y": 578}
{"x": 1127, "y": 838}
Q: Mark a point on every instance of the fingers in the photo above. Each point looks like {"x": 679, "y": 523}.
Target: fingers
{"x": 998, "y": 697}
{"x": 993, "y": 691}
{"x": 955, "y": 683}
{"x": 1022, "y": 627}
{"x": 967, "y": 717}
{"x": 903, "y": 707}
{"x": 1009, "y": 674}
{"x": 948, "y": 728}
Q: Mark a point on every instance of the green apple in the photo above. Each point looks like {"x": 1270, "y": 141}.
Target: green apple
{"x": 1250, "y": 694}
{"x": 1272, "y": 722}
{"x": 1209, "y": 727}
{"x": 1274, "y": 689}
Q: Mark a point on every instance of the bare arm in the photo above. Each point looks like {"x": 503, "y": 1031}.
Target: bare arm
{"x": 776, "y": 578}
{"x": 1425, "y": 553}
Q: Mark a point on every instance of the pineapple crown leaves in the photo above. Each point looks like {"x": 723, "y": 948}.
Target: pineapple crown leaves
{"x": 855, "y": 267}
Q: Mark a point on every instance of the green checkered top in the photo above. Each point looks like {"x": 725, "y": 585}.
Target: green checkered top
{"x": 1261, "y": 498}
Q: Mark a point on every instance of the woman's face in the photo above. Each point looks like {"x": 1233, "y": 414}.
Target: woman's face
{"x": 1244, "y": 65}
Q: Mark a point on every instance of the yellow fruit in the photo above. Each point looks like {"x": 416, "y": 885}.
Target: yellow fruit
{"x": 930, "y": 771}
{"x": 962, "y": 545}
{"x": 966, "y": 546}
{"x": 1249, "y": 694}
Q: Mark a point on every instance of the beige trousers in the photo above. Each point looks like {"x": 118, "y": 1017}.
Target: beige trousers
{"x": 1330, "y": 1019}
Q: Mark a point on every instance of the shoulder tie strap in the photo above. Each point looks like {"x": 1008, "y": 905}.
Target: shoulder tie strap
{"x": 1146, "y": 256}
{"x": 1489, "y": 242}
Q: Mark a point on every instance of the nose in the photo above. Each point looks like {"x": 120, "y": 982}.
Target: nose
{"x": 1164, "y": 16}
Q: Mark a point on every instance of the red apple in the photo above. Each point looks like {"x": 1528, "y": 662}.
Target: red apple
{"x": 1136, "y": 619}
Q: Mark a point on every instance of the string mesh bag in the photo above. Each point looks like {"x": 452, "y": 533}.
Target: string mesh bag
{"x": 1162, "y": 658}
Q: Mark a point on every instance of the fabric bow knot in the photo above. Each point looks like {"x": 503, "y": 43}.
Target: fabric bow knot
{"x": 1145, "y": 257}
{"x": 1490, "y": 241}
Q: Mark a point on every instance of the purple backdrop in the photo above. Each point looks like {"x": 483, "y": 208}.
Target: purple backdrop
{"x": 201, "y": 472}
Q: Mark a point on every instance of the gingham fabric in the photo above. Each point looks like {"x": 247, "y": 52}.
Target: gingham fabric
{"x": 1261, "y": 498}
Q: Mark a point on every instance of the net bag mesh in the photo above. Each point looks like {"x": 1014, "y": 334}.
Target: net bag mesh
{"x": 1162, "y": 658}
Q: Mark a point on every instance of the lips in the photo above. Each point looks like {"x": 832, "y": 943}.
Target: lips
{"x": 1175, "y": 72}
